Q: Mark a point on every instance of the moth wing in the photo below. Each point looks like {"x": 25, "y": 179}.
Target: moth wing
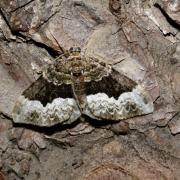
{"x": 44, "y": 104}
{"x": 96, "y": 69}
{"x": 129, "y": 104}
{"x": 116, "y": 97}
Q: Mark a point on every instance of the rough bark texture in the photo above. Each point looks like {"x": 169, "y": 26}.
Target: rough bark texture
{"x": 140, "y": 39}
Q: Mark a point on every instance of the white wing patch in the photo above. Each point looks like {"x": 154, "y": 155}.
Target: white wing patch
{"x": 60, "y": 111}
{"x": 129, "y": 104}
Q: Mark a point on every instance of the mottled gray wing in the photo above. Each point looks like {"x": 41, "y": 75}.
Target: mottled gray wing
{"x": 61, "y": 70}
{"x": 95, "y": 70}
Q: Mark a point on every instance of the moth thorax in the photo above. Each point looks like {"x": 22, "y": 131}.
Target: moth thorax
{"x": 77, "y": 70}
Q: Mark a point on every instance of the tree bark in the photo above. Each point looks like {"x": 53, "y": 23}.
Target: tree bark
{"x": 141, "y": 40}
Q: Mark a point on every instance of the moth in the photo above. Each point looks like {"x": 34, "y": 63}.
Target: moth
{"x": 74, "y": 85}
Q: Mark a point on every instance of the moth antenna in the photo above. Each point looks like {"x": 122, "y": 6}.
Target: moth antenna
{"x": 60, "y": 48}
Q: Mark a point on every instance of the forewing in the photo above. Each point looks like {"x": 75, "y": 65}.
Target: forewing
{"x": 45, "y": 104}
{"x": 57, "y": 73}
{"x": 116, "y": 97}
{"x": 113, "y": 85}
{"x": 95, "y": 70}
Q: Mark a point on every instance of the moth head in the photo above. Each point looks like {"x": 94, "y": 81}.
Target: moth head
{"x": 75, "y": 50}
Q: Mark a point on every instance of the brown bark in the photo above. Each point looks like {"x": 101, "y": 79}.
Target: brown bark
{"x": 140, "y": 39}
